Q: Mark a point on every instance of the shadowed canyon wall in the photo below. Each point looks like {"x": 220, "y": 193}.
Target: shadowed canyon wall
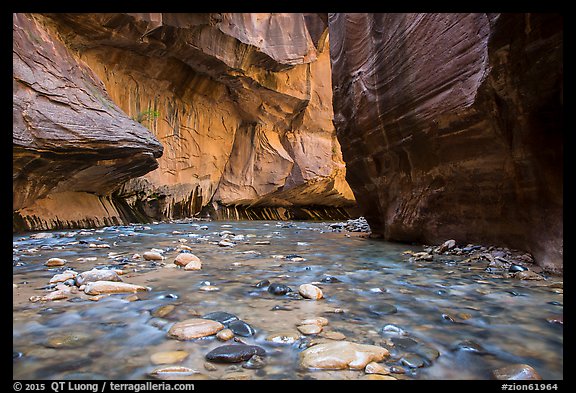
{"x": 228, "y": 114}
{"x": 451, "y": 126}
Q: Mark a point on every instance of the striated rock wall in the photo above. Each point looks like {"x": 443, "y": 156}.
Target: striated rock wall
{"x": 68, "y": 136}
{"x": 241, "y": 104}
{"x": 451, "y": 126}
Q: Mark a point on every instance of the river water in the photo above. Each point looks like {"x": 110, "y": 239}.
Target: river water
{"x": 476, "y": 321}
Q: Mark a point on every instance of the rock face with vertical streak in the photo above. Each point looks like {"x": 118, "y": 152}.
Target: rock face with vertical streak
{"x": 451, "y": 126}
{"x": 241, "y": 103}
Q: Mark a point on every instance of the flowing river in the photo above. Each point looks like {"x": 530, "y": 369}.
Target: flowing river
{"x": 445, "y": 318}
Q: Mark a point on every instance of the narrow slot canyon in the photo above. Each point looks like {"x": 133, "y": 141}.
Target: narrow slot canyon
{"x": 302, "y": 196}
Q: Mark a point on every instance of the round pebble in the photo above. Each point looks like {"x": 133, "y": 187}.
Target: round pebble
{"x": 278, "y": 289}
{"x": 168, "y": 357}
{"x": 310, "y": 291}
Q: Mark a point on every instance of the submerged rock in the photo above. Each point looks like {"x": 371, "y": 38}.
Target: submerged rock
{"x": 234, "y": 353}
{"x": 516, "y": 372}
{"x": 53, "y": 262}
{"x": 184, "y": 258}
{"x": 376, "y": 368}
{"x": 241, "y": 328}
{"x": 175, "y": 372}
{"x": 527, "y": 275}
{"x": 309, "y": 329}
{"x": 255, "y": 362}
{"x": 221, "y": 316}
{"x": 283, "y": 337}
{"x": 279, "y": 289}
{"x": 101, "y": 287}
{"x": 194, "y": 328}
{"x": 341, "y": 355}
{"x": 168, "y": 357}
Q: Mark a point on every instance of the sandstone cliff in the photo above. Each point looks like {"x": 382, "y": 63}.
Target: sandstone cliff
{"x": 241, "y": 103}
{"x": 451, "y": 126}
{"x": 72, "y": 146}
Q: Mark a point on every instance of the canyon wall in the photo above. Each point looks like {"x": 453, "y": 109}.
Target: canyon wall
{"x": 451, "y": 126}
{"x": 240, "y": 103}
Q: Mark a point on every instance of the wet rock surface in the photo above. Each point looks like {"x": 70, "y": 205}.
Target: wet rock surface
{"x": 234, "y": 353}
{"x": 459, "y": 315}
{"x": 425, "y": 107}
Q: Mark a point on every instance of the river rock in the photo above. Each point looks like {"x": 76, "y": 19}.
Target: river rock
{"x": 62, "y": 277}
{"x": 99, "y": 245}
{"x": 97, "y": 298}
{"x": 447, "y": 245}
{"x": 382, "y": 309}
{"x": 309, "y": 329}
{"x": 97, "y": 275}
{"x": 55, "y": 295}
{"x": 221, "y": 316}
{"x": 152, "y": 256}
{"x": 168, "y": 357}
{"x": 184, "y": 258}
{"x": 379, "y": 377}
{"x": 236, "y": 376}
{"x": 393, "y": 329}
{"x": 558, "y": 319}
{"x": 470, "y": 346}
{"x": 330, "y": 279}
{"x": 517, "y": 268}
{"x": 262, "y": 284}
{"x": 163, "y": 311}
{"x": 69, "y": 340}
{"x": 100, "y": 287}
{"x": 194, "y": 328}
{"x": 278, "y": 289}
{"x": 310, "y": 291}
{"x": 209, "y": 288}
{"x": 422, "y": 256}
{"x": 516, "y": 372}
{"x": 527, "y": 275}
{"x": 234, "y": 353}
{"x": 427, "y": 352}
{"x": 413, "y": 361}
{"x": 334, "y": 335}
{"x": 283, "y": 337}
{"x": 176, "y": 372}
{"x": 341, "y": 355}
{"x": 241, "y": 328}
{"x": 225, "y": 335}
{"x": 376, "y": 368}
{"x": 255, "y": 362}
{"x": 320, "y": 321}
{"x": 52, "y": 262}
{"x": 193, "y": 265}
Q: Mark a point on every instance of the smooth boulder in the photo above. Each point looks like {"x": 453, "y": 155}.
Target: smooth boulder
{"x": 194, "y": 328}
{"x": 101, "y": 287}
{"x": 234, "y": 353}
{"x": 340, "y": 355}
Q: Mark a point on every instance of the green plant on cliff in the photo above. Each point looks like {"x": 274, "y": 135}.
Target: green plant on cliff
{"x": 146, "y": 116}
